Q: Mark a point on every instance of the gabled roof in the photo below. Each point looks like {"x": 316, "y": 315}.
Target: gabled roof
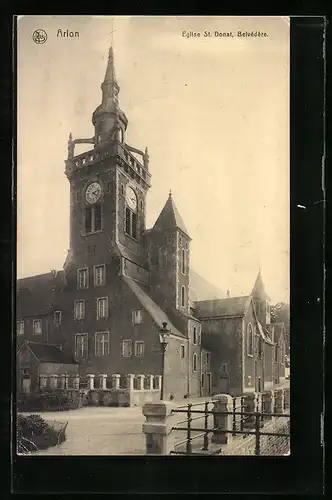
{"x": 201, "y": 289}
{"x": 231, "y": 306}
{"x": 150, "y": 306}
{"x": 169, "y": 218}
{"x": 264, "y": 334}
{"x": 48, "y": 353}
{"x": 36, "y": 294}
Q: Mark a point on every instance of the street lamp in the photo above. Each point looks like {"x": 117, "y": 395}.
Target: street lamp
{"x": 164, "y": 333}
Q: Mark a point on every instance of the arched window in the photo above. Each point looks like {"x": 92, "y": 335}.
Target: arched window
{"x": 194, "y": 362}
{"x": 162, "y": 258}
{"x": 250, "y": 340}
{"x": 194, "y": 335}
{"x": 183, "y": 261}
{"x": 183, "y": 298}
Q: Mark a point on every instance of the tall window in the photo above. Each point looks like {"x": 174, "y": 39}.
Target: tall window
{"x": 183, "y": 261}
{"x": 182, "y": 351}
{"x": 20, "y": 327}
{"x": 139, "y": 348}
{"x": 127, "y": 347}
{"x": 162, "y": 258}
{"x": 282, "y": 354}
{"x": 276, "y": 352}
{"x": 57, "y": 318}
{"x": 183, "y": 298}
{"x": 250, "y": 340}
{"x": 102, "y": 307}
{"x": 37, "y": 327}
{"x": 194, "y": 335}
{"x": 82, "y": 278}
{"x": 194, "y": 362}
{"x": 79, "y": 309}
{"x": 202, "y": 380}
{"x": 92, "y": 218}
{"x": 207, "y": 358}
{"x": 102, "y": 344}
{"x": 99, "y": 275}
{"x": 81, "y": 345}
{"x": 131, "y": 223}
{"x": 137, "y": 317}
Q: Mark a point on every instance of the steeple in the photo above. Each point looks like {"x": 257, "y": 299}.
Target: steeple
{"x": 170, "y": 218}
{"x": 109, "y": 120}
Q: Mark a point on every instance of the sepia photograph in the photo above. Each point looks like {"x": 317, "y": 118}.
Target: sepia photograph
{"x": 153, "y": 236}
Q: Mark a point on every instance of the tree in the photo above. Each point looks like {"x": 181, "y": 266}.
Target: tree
{"x": 280, "y": 313}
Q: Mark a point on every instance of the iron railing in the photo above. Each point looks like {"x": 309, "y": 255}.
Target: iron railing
{"x": 245, "y": 423}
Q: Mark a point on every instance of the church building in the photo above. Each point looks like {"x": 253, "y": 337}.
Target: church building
{"x": 121, "y": 282}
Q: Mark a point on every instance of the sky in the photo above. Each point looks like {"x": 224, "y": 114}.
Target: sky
{"x": 213, "y": 112}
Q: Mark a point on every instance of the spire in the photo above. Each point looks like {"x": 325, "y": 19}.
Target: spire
{"x": 170, "y": 218}
{"x": 109, "y": 120}
{"x": 110, "y": 85}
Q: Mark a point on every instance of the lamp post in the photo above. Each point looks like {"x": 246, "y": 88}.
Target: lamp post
{"x": 164, "y": 333}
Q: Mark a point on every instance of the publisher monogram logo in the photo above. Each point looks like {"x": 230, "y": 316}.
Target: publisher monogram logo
{"x": 39, "y": 36}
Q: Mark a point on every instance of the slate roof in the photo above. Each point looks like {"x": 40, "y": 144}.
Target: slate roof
{"x": 169, "y": 218}
{"x": 48, "y": 353}
{"x": 150, "y": 306}
{"x": 231, "y": 306}
{"x": 201, "y": 289}
{"x": 133, "y": 257}
{"x": 36, "y": 294}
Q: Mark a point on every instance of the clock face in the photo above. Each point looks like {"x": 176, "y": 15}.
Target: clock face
{"x": 131, "y": 198}
{"x": 93, "y": 192}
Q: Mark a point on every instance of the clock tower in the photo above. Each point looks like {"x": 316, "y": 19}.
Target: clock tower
{"x": 108, "y": 186}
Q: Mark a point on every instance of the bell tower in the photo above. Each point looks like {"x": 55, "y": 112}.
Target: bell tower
{"x": 108, "y": 186}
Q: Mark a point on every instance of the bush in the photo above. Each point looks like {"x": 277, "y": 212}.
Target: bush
{"x": 34, "y": 433}
{"x": 49, "y": 400}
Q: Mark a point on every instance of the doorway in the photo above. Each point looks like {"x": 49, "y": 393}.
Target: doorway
{"x": 208, "y": 383}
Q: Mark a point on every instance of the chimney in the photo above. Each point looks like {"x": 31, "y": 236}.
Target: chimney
{"x": 54, "y": 273}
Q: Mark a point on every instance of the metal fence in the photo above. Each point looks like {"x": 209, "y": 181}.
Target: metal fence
{"x": 200, "y": 424}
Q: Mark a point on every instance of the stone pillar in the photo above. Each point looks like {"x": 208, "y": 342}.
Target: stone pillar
{"x": 116, "y": 381}
{"x": 43, "y": 381}
{"x": 54, "y": 381}
{"x": 267, "y": 404}
{"x": 62, "y": 381}
{"x": 76, "y": 382}
{"x": 102, "y": 381}
{"x": 287, "y": 399}
{"x": 250, "y": 406}
{"x": 158, "y": 379}
{"x": 140, "y": 382}
{"x": 130, "y": 381}
{"x": 157, "y": 428}
{"x": 91, "y": 381}
{"x": 150, "y": 382}
{"x": 224, "y": 403}
{"x": 279, "y": 401}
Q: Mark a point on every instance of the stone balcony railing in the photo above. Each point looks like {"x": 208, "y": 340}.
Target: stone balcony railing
{"x": 106, "y": 390}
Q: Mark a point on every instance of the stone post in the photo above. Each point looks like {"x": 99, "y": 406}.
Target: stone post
{"x": 42, "y": 381}
{"x": 116, "y": 381}
{"x": 267, "y": 404}
{"x": 76, "y": 382}
{"x": 279, "y": 401}
{"x": 140, "y": 382}
{"x": 150, "y": 382}
{"x": 54, "y": 381}
{"x": 222, "y": 422}
{"x": 130, "y": 381}
{"x": 91, "y": 381}
{"x": 250, "y": 406}
{"x": 157, "y": 428}
{"x": 102, "y": 380}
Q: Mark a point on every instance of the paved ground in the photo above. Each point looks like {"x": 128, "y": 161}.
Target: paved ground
{"x": 112, "y": 431}
{"x": 105, "y": 431}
